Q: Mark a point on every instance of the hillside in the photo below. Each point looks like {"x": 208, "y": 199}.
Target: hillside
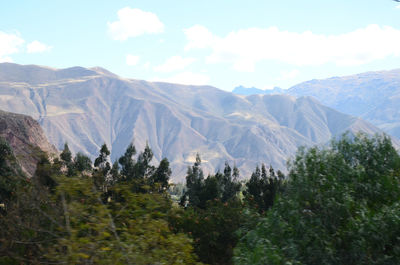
{"x": 26, "y": 138}
{"x": 373, "y": 96}
{"x": 89, "y": 107}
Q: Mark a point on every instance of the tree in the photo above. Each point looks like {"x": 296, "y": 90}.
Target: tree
{"x": 128, "y": 163}
{"x": 66, "y": 154}
{"x": 230, "y": 184}
{"x": 194, "y": 183}
{"x": 102, "y": 160}
{"x": 340, "y": 206}
{"x": 143, "y": 169}
{"x": 10, "y": 173}
{"x": 160, "y": 179}
{"x": 82, "y": 163}
{"x": 101, "y": 176}
{"x": 212, "y": 214}
{"x": 262, "y": 188}
{"x": 28, "y": 220}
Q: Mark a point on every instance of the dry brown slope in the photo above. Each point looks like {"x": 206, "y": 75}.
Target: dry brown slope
{"x": 26, "y": 138}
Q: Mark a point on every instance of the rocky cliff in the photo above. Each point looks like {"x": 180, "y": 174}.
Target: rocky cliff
{"x": 26, "y": 138}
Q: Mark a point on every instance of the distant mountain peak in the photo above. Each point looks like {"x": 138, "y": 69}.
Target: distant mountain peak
{"x": 241, "y": 90}
{"x": 89, "y": 107}
{"x": 103, "y": 71}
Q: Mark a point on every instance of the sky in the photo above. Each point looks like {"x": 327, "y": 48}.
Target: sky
{"x": 223, "y": 43}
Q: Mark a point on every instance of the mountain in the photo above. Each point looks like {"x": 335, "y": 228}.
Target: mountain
{"x": 373, "y": 96}
{"x": 89, "y": 107}
{"x": 241, "y": 90}
{"x": 26, "y": 138}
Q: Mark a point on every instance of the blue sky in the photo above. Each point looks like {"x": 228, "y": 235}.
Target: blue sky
{"x": 224, "y": 43}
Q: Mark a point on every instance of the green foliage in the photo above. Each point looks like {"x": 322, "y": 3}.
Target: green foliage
{"x": 81, "y": 163}
{"x": 143, "y": 168}
{"x": 10, "y": 173}
{"x": 341, "y": 206}
{"x": 223, "y": 187}
{"x": 29, "y": 219}
{"x": 160, "y": 177}
{"x": 131, "y": 228}
{"x": 128, "y": 163}
{"x": 101, "y": 175}
{"x": 142, "y": 224}
{"x": 143, "y": 176}
{"x": 45, "y": 173}
{"x": 194, "y": 183}
{"x": 64, "y": 217}
{"x": 101, "y": 160}
{"x": 262, "y": 188}
{"x": 66, "y": 155}
{"x": 212, "y": 213}
{"x": 213, "y": 229}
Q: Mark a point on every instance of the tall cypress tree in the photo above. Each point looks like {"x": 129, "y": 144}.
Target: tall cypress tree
{"x": 160, "y": 179}
{"x": 194, "y": 184}
{"x": 127, "y": 163}
{"x": 101, "y": 174}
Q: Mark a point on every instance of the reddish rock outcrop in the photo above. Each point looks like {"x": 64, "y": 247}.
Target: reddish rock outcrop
{"x": 26, "y": 138}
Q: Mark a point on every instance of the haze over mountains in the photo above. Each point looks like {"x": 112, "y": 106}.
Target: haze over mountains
{"x": 373, "y": 96}
{"x": 241, "y": 90}
{"x": 89, "y": 107}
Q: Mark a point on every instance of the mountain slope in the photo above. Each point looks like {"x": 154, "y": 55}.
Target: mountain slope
{"x": 89, "y": 107}
{"x": 26, "y": 138}
{"x": 374, "y": 96}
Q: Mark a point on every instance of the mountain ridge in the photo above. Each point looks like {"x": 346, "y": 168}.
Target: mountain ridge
{"x": 90, "y": 108}
{"x": 372, "y": 96}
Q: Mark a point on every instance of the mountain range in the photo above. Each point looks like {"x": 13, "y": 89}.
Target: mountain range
{"x": 87, "y": 107}
{"x": 373, "y": 96}
{"x": 241, "y": 90}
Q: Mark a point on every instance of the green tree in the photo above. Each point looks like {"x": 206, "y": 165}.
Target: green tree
{"x": 213, "y": 229}
{"x": 194, "y": 183}
{"x": 143, "y": 168}
{"x": 131, "y": 228}
{"x": 10, "y": 173}
{"x": 213, "y": 213}
{"x": 341, "y": 206}
{"x": 262, "y": 188}
{"x": 101, "y": 175}
{"x": 82, "y": 163}
{"x": 66, "y": 154}
{"x": 28, "y": 220}
{"x": 128, "y": 163}
{"x": 160, "y": 178}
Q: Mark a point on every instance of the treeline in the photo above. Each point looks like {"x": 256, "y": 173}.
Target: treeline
{"x": 74, "y": 211}
{"x": 338, "y": 205}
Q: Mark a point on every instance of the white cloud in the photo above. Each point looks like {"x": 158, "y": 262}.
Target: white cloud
{"x": 398, "y": 6}
{"x": 9, "y": 44}
{"x": 146, "y": 65}
{"x": 244, "y": 48}
{"x": 37, "y": 47}
{"x": 132, "y": 60}
{"x": 287, "y": 75}
{"x": 186, "y": 78}
{"x": 174, "y": 63}
{"x": 133, "y": 22}
{"x": 199, "y": 37}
